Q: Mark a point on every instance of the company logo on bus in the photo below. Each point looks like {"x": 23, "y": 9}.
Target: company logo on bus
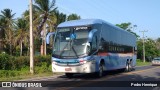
{"x": 81, "y": 28}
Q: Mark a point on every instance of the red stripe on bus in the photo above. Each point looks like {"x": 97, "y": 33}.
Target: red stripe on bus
{"x": 120, "y": 54}
{"x": 103, "y": 54}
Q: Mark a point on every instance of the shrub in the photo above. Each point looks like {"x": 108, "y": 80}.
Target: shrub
{"x": 11, "y": 66}
{"x": 40, "y": 59}
{"x": 42, "y": 69}
{"x": 4, "y": 61}
{"x": 20, "y": 62}
{"x": 8, "y": 62}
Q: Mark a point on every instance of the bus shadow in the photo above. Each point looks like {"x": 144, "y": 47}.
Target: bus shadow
{"x": 117, "y": 75}
{"x": 92, "y": 76}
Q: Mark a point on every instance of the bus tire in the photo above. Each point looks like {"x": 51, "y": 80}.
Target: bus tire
{"x": 69, "y": 75}
{"x": 100, "y": 71}
{"x": 128, "y": 66}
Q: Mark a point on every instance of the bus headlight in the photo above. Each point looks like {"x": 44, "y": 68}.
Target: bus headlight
{"x": 82, "y": 61}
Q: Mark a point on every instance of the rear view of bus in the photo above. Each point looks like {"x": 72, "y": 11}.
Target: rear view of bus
{"x": 76, "y": 48}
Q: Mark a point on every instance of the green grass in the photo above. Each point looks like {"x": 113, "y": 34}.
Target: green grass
{"x": 141, "y": 63}
{"x": 10, "y": 75}
{"x": 23, "y": 75}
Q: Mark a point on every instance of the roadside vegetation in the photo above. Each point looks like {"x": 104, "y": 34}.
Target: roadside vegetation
{"x": 12, "y": 67}
{"x": 141, "y": 63}
{"x": 16, "y": 68}
{"x": 14, "y": 39}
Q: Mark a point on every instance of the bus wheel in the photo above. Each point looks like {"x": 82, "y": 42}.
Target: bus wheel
{"x": 69, "y": 75}
{"x": 100, "y": 71}
{"x": 128, "y": 66}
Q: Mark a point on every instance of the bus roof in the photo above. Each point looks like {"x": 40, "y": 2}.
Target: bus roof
{"x": 80, "y": 22}
{"x": 86, "y": 22}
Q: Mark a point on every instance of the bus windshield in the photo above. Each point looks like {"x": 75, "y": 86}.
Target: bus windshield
{"x": 70, "y": 42}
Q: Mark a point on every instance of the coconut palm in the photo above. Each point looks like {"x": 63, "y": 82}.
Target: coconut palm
{"x": 21, "y": 33}
{"x": 45, "y": 10}
{"x": 9, "y": 22}
{"x": 2, "y": 27}
{"x": 61, "y": 17}
{"x": 2, "y": 33}
{"x": 36, "y": 35}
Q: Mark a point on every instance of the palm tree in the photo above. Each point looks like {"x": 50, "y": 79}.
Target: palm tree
{"x": 35, "y": 21}
{"x": 9, "y": 21}
{"x": 61, "y": 17}
{"x": 2, "y": 27}
{"x": 36, "y": 34}
{"x": 21, "y": 33}
{"x": 2, "y": 33}
{"x": 73, "y": 17}
{"x": 46, "y": 10}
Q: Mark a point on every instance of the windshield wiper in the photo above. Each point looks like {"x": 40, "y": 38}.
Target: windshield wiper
{"x": 75, "y": 51}
{"x": 71, "y": 45}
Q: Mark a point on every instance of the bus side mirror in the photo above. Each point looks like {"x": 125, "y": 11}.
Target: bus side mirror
{"x": 48, "y": 37}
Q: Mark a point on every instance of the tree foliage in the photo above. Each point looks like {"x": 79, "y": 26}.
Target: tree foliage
{"x": 128, "y": 27}
{"x": 73, "y": 17}
{"x": 21, "y": 34}
{"x": 7, "y": 23}
{"x": 151, "y": 50}
{"x": 61, "y": 17}
{"x": 46, "y": 12}
{"x": 14, "y": 35}
{"x": 158, "y": 44}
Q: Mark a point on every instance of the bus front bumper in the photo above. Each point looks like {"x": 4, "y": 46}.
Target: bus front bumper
{"x": 88, "y": 67}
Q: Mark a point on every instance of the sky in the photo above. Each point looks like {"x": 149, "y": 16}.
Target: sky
{"x": 143, "y": 13}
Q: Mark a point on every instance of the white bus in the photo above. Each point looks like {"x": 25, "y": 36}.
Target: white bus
{"x": 92, "y": 45}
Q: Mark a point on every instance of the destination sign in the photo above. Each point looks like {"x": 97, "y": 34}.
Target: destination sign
{"x": 81, "y": 28}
